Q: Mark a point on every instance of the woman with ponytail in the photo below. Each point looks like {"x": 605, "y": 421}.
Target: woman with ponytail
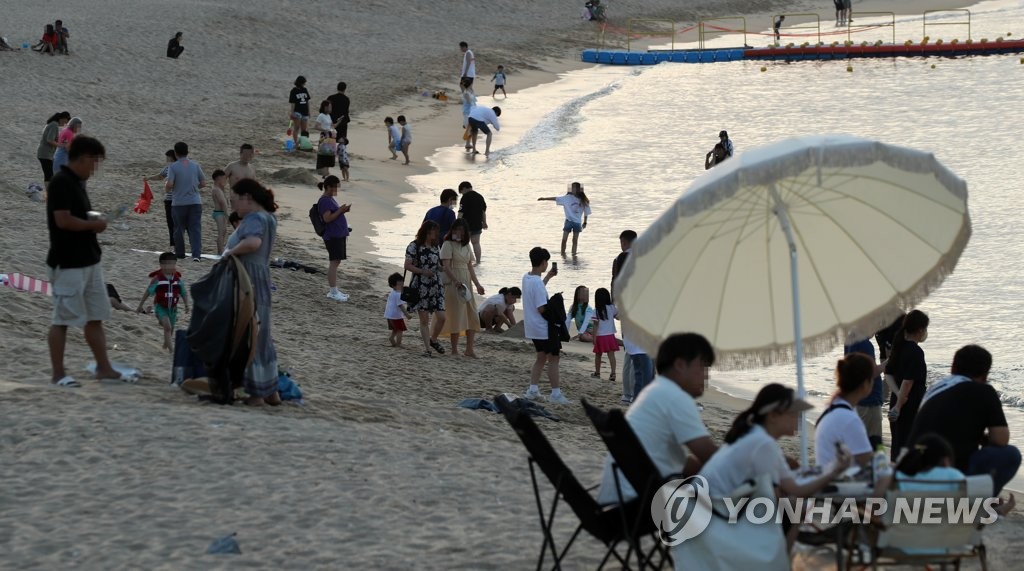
{"x": 252, "y": 243}
{"x": 753, "y": 449}
{"x": 907, "y": 371}
{"x": 840, "y": 424}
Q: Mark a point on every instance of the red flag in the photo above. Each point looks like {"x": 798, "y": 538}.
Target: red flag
{"x": 145, "y": 199}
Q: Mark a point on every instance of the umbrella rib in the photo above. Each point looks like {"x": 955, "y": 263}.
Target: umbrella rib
{"x": 728, "y": 269}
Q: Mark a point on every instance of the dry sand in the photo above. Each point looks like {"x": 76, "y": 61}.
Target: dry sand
{"x": 379, "y": 469}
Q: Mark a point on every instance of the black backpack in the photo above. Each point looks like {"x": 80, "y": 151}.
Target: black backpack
{"x": 319, "y": 226}
{"x": 555, "y": 315}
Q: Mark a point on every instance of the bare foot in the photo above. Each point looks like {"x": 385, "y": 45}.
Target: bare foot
{"x": 405, "y": 163}
{"x": 454, "y": 355}
{"x": 470, "y": 355}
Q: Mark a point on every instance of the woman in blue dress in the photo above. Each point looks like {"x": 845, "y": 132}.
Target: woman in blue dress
{"x": 252, "y": 243}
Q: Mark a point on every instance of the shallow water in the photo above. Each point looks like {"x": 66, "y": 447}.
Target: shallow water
{"x": 636, "y": 138}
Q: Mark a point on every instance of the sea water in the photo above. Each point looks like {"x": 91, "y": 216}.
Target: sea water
{"x": 636, "y": 138}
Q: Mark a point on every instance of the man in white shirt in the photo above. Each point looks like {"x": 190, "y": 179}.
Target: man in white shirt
{"x": 479, "y": 117}
{"x": 468, "y": 73}
{"x": 535, "y": 300}
{"x": 665, "y": 417}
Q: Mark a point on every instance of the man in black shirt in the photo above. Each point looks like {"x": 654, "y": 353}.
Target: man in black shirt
{"x": 339, "y": 110}
{"x": 473, "y": 209}
{"x": 79, "y": 292}
{"x": 965, "y": 410}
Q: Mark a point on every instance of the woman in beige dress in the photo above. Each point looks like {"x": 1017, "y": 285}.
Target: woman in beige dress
{"x": 457, "y": 264}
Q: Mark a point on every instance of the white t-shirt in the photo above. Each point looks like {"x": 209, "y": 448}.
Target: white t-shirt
{"x": 407, "y": 133}
{"x": 664, "y": 418}
{"x": 498, "y": 301}
{"x": 535, "y": 295}
{"x": 632, "y": 349}
{"x": 485, "y": 115}
{"x": 754, "y": 454}
{"x": 323, "y": 122}
{"x": 396, "y": 134}
{"x": 841, "y": 425}
{"x": 574, "y": 209}
{"x": 606, "y": 326}
{"x": 467, "y": 58}
{"x": 393, "y": 309}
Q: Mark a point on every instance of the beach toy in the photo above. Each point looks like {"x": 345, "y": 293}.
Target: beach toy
{"x": 24, "y": 45}
{"x": 763, "y": 68}
{"x": 849, "y": 68}
{"x": 289, "y": 145}
{"x": 425, "y": 94}
{"x": 288, "y": 133}
{"x": 933, "y": 66}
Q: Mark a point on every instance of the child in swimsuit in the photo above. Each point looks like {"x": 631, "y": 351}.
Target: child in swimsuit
{"x": 220, "y": 207}
{"x": 166, "y": 287}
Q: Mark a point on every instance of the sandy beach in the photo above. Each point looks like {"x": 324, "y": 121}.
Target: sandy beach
{"x": 379, "y": 469}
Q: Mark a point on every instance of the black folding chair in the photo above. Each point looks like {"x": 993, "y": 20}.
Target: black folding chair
{"x": 630, "y": 457}
{"x": 606, "y": 524}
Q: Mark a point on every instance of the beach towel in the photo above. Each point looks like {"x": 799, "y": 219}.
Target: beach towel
{"x": 145, "y": 199}
{"x": 516, "y": 402}
{"x": 223, "y": 327}
{"x": 22, "y": 282}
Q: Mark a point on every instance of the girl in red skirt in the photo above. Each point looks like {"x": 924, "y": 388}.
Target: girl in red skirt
{"x": 604, "y": 332}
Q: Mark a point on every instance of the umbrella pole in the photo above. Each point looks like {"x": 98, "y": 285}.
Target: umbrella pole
{"x": 780, "y": 212}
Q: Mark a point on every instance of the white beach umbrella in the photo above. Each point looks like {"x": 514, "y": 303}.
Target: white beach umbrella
{"x": 796, "y": 245}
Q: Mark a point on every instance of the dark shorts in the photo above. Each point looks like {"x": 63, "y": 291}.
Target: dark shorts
{"x": 396, "y": 325}
{"x": 336, "y": 249}
{"x": 477, "y": 125}
{"x": 324, "y": 161}
{"x": 550, "y": 346}
{"x": 468, "y": 81}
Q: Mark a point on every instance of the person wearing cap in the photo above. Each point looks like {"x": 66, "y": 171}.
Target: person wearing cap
{"x": 752, "y": 447}
{"x": 723, "y": 137}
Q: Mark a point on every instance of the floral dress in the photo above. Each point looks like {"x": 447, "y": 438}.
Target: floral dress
{"x": 431, "y": 291}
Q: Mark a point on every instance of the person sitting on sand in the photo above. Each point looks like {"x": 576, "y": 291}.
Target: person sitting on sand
{"x": 715, "y": 156}
{"x": 62, "y": 37}
{"x": 115, "y": 299}
{"x": 5, "y": 46}
{"x": 167, "y": 288}
{"x": 581, "y": 315}
{"x": 174, "y": 47}
{"x": 48, "y": 43}
{"x": 499, "y": 309}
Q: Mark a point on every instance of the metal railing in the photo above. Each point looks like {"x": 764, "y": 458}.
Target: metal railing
{"x": 702, "y": 32}
{"x": 816, "y": 26}
{"x": 967, "y": 23}
{"x": 629, "y": 30}
{"x": 892, "y": 23}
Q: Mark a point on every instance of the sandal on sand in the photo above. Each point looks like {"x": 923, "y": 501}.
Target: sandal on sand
{"x": 596, "y": 375}
{"x": 611, "y": 377}
{"x": 437, "y": 347}
{"x": 68, "y": 381}
{"x": 124, "y": 378}
{"x": 428, "y": 354}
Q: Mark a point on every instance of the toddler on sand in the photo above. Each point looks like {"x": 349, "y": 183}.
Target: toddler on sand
{"x": 396, "y": 309}
{"x": 394, "y": 137}
{"x": 499, "y": 81}
{"x": 343, "y": 157}
{"x": 406, "y": 139}
{"x": 166, "y": 287}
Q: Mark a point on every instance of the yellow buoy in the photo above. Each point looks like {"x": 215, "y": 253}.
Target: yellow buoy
{"x": 849, "y": 68}
{"x": 933, "y": 66}
{"x": 763, "y": 68}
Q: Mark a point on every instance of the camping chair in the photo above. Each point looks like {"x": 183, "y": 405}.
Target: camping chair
{"x": 629, "y": 457}
{"x": 890, "y": 542}
{"x": 604, "y": 523}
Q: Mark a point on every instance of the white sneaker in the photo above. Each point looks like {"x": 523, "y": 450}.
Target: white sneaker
{"x": 344, "y": 296}
{"x": 532, "y": 393}
{"x": 337, "y": 296}
{"x": 558, "y": 399}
